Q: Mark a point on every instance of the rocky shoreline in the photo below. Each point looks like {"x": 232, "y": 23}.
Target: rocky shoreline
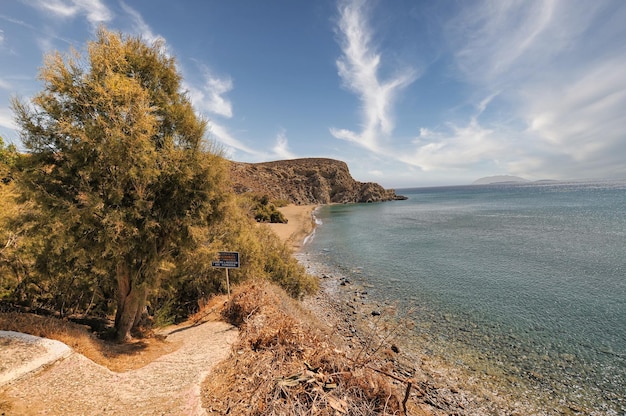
{"x": 376, "y": 332}
{"x": 364, "y": 327}
{"x": 444, "y": 381}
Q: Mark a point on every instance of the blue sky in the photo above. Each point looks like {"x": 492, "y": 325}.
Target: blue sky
{"x": 407, "y": 92}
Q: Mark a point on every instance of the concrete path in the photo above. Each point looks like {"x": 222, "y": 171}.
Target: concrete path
{"x": 170, "y": 385}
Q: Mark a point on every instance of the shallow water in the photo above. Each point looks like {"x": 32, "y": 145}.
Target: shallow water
{"x": 523, "y": 282}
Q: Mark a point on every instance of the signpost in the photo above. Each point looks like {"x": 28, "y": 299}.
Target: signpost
{"x": 227, "y": 260}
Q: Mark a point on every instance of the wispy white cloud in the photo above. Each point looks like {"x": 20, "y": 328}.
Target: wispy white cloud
{"x": 359, "y": 70}
{"x": 95, "y": 11}
{"x": 582, "y": 118}
{"x": 457, "y": 148}
{"x": 222, "y": 135}
{"x": 281, "y": 149}
{"x": 44, "y": 37}
{"x": 6, "y": 119}
{"x": 140, "y": 26}
{"x": 235, "y": 149}
{"x": 490, "y": 37}
{"x": 210, "y": 95}
{"x": 558, "y": 68}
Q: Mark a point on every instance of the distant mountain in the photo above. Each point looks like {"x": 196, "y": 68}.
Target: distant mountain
{"x": 488, "y": 180}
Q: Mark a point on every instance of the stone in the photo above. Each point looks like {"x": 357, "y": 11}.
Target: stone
{"x": 306, "y": 181}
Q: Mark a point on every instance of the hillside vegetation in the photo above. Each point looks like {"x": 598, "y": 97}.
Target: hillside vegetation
{"x": 112, "y": 216}
{"x": 119, "y": 204}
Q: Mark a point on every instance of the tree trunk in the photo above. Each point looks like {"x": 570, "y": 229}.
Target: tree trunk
{"x": 131, "y": 301}
{"x": 122, "y": 275}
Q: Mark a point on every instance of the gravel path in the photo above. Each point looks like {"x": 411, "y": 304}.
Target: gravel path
{"x": 170, "y": 385}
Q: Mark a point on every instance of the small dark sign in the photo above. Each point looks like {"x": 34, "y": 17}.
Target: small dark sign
{"x": 227, "y": 259}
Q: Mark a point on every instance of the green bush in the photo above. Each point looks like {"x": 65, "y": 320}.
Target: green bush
{"x": 266, "y": 211}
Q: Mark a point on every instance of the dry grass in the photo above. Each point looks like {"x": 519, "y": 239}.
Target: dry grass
{"x": 285, "y": 363}
{"x": 116, "y": 357}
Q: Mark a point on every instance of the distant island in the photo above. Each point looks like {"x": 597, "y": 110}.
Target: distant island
{"x": 499, "y": 179}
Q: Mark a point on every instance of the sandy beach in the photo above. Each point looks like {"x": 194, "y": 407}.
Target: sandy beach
{"x": 300, "y": 224}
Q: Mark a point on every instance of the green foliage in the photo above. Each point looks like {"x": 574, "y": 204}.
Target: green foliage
{"x": 266, "y": 211}
{"x": 116, "y": 155}
{"x": 8, "y": 158}
{"x": 8, "y": 239}
{"x": 122, "y": 205}
{"x": 262, "y": 255}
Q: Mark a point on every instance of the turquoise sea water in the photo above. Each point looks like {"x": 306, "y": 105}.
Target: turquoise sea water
{"x": 526, "y": 280}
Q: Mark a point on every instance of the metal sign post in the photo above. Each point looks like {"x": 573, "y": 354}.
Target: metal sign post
{"x": 227, "y": 260}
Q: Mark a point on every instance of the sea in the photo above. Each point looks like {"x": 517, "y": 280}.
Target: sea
{"x": 523, "y": 282}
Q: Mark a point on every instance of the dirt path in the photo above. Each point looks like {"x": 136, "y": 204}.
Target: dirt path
{"x": 170, "y": 385}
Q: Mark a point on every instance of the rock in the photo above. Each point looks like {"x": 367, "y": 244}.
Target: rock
{"x": 375, "y": 313}
{"x": 306, "y": 181}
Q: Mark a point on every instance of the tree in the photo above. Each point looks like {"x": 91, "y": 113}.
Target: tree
{"x": 117, "y": 156}
{"x": 8, "y": 156}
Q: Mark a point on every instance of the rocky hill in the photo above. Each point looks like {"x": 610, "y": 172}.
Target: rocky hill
{"x": 306, "y": 181}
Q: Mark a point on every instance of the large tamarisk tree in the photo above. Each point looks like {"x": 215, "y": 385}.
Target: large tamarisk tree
{"x": 117, "y": 156}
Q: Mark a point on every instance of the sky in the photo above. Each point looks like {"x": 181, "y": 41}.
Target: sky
{"x": 407, "y": 92}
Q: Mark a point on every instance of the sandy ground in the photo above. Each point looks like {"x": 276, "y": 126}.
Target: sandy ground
{"x": 300, "y": 224}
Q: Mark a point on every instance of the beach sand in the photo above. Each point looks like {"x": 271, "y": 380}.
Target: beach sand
{"x": 300, "y": 224}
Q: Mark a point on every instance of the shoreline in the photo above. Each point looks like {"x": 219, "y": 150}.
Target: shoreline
{"x": 362, "y": 324}
{"x": 300, "y": 225}
{"x": 370, "y": 331}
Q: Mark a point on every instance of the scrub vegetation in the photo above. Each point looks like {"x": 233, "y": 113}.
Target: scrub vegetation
{"x": 111, "y": 213}
{"x": 117, "y": 203}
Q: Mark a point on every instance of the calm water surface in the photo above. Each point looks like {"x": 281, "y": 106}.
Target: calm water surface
{"x": 526, "y": 281}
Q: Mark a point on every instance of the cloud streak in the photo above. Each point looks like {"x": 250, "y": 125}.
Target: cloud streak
{"x": 564, "y": 93}
{"x": 460, "y": 148}
{"x": 210, "y": 96}
{"x": 358, "y": 68}
{"x": 281, "y": 149}
{"x": 6, "y": 119}
{"x": 94, "y": 10}
{"x": 141, "y": 27}
{"x": 222, "y": 135}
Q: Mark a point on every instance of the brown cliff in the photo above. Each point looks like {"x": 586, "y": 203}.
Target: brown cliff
{"x": 306, "y": 181}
